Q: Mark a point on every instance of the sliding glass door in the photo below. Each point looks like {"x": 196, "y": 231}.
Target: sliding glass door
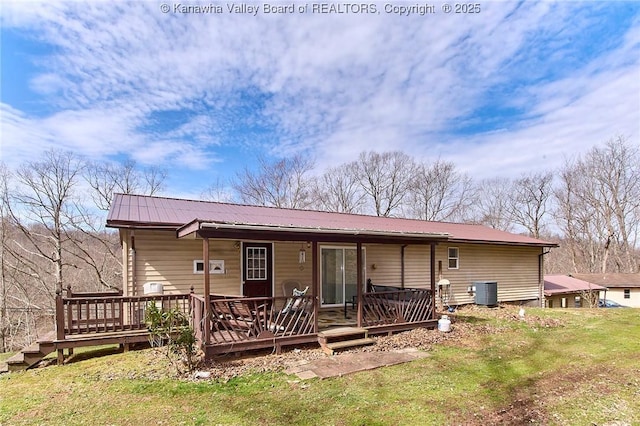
{"x": 339, "y": 275}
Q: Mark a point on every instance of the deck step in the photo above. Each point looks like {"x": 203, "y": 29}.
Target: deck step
{"x": 30, "y": 356}
{"x": 342, "y": 338}
{"x": 17, "y": 362}
{"x": 342, "y": 333}
{"x": 351, "y": 343}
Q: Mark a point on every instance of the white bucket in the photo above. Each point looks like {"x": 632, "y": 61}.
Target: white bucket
{"x": 444, "y": 324}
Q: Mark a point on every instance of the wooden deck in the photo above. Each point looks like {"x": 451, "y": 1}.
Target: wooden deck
{"x": 234, "y": 324}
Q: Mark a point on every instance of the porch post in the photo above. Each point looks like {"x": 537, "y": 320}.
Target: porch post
{"x": 207, "y": 291}
{"x": 432, "y": 273}
{"x": 315, "y": 284}
{"x": 359, "y": 281}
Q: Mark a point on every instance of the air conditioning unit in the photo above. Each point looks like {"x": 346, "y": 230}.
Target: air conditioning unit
{"x": 486, "y": 292}
{"x": 152, "y": 288}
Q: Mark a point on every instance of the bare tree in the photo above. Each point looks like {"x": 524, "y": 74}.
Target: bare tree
{"x": 439, "y": 192}
{"x": 284, "y": 183}
{"x": 338, "y": 190}
{"x": 385, "y": 178}
{"x": 492, "y": 207}
{"x": 529, "y": 201}
{"x": 598, "y": 207}
{"x": 217, "y": 191}
{"x": 126, "y": 178}
{"x": 45, "y": 199}
{"x": 4, "y": 240}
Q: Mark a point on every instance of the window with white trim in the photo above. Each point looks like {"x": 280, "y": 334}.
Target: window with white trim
{"x": 256, "y": 263}
{"x": 198, "y": 267}
{"x": 454, "y": 257}
{"x": 627, "y": 293}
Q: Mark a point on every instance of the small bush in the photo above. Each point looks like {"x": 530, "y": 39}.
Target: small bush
{"x": 171, "y": 328}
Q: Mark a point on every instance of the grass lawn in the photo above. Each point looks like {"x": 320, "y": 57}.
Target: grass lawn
{"x": 585, "y": 372}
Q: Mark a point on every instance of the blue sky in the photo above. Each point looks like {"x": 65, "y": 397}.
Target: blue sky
{"x": 517, "y": 87}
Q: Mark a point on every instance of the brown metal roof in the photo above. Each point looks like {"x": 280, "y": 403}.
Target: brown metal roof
{"x": 561, "y": 284}
{"x": 145, "y": 211}
{"x": 611, "y": 280}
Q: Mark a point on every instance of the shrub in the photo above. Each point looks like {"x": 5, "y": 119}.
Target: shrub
{"x": 171, "y": 328}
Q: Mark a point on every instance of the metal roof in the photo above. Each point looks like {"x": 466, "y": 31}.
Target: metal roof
{"x": 136, "y": 211}
{"x": 617, "y": 280}
{"x": 560, "y": 284}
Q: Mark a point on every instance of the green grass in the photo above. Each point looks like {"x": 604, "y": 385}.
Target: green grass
{"x": 5, "y": 356}
{"x": 586, "y": 371}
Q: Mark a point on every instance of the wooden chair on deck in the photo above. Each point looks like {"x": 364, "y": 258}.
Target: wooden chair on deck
{"x": 235, "y": 315}
{"x": 296, "y": 308}
{"x": 288, "y": 286}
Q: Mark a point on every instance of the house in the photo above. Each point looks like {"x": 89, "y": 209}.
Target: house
{"x": 208, "y": 248}
{"x": 564, "y": 291}
{"x": 620, "y": 288}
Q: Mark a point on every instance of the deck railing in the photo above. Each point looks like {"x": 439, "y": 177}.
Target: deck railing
{"x": 397, "y": 306}
{"x": 243, "y": 319}
{"x": 234, "y": 319}
{"x": 86, "y": 313}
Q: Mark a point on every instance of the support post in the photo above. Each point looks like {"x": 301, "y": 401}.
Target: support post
{"x": 315, "y": 284}
{"x": 402, "y": 267}
{"x": 359, "y": 281}
{"x": 207, "y": 291}
{"x": 432, "y": 273}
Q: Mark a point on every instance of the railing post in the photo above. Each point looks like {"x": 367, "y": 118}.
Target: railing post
{"x": 359, "y": 281}
{"x": 60, "y": 323}
{"x": 432, "y": 276}
{"x": 59, "y": 316}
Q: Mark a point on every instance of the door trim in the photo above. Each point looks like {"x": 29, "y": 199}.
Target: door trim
{"x": 343, "y": 247}
{"x": 243, "y": 243}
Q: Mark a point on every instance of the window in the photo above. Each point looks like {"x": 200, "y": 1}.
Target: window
{"x": 627, "y": 293}
{"x": 215, "y": 267}
{"x": 563, "y": 302}
{"x": 577, "y": 302}
{"x": 453, "y": 257}
{"x": 256, "y": 263}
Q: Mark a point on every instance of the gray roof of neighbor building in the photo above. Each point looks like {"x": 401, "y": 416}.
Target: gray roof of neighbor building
{"x": 137, "y": 211}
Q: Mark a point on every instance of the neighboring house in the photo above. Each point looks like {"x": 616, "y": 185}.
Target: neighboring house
{"x": 621, "y": 288}
{"x": 252, "y": 250}
{"x": 563, "y": 291}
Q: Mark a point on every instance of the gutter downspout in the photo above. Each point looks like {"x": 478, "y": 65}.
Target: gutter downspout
{"x": 541, "y": 276}
{"x": 402, "y": 274}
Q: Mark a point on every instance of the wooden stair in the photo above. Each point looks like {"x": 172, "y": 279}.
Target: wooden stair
{"x": 31, "y": 355}
{"x": 342, "y": 338}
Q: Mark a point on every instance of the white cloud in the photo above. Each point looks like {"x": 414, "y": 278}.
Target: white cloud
{"x": 330, "y": 85}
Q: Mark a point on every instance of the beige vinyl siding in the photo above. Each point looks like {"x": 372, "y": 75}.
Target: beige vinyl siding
{"x": 514, "y": 268}
{"x": 383, "y": 264}
{"x": 161, "y": 257}
{"x": 387, "y": 259}
{"x": 287, "y": 266}
{"x": 617, "y": 295}
{"x": 555, "y": 301}
{"x": 417, "y": 266}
